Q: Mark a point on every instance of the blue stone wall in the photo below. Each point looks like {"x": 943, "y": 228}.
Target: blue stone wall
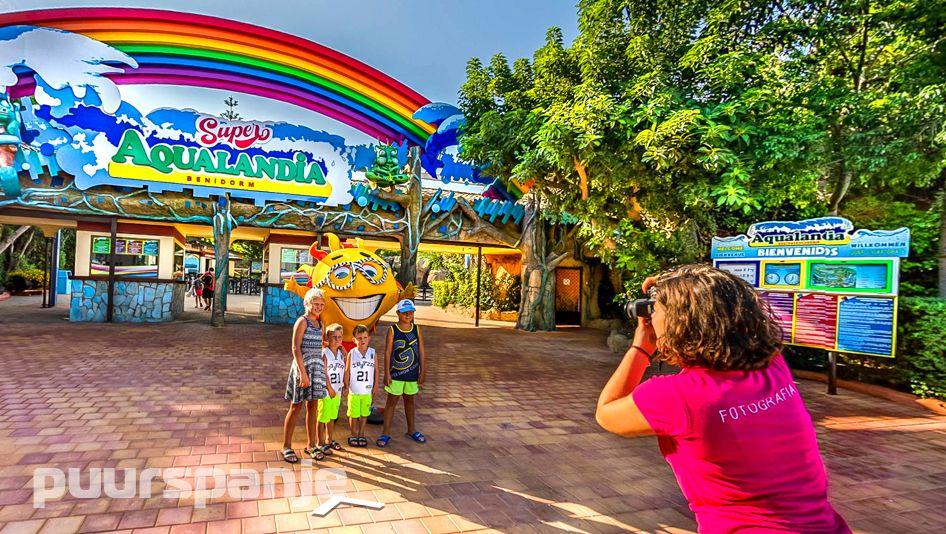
{"x": 281, "y": 306}
{"x": 135, "y": 302}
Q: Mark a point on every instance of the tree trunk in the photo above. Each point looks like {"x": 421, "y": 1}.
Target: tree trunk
{"x": 537, "y": 306}
{"x": 591, "y": 280}
{"x": 10, "y": 239}
{"x": 942, "y": 243}
{"x": 410, "y": 239}
{"x": 842, "y": 179}
{"x": 617, "y": 281}
{"x": 16, "y": 256}
{"x": 223, "y": 224}
{"x": 582, "y": 178}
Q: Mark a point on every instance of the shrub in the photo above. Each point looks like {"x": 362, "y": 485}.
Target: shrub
{"x": 503, "y": 294}
{"x": 444, "y": 293}
{"x": 23, "y": 279}
{"x": 922, "y": 322}
{"x": 508, "y": 292}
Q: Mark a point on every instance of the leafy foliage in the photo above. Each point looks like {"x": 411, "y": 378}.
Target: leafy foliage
{"x": 921, "y": 349}
{"x": 23, "y": 279}
{"x": 918, "y": 271}
{"x": 667, "y": 122}
{"x": 459, "y": 289}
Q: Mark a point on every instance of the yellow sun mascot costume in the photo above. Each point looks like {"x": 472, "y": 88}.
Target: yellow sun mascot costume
{"x": 359, "y": 286}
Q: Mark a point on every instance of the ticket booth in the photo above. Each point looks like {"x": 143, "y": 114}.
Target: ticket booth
{"x": 143, "y": 271}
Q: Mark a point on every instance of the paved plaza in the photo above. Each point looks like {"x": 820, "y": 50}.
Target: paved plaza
{"x": 513, "y": 445}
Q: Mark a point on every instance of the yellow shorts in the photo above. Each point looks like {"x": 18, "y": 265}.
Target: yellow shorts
{"x": 400, "y": 387}
{"x": 328, "y": 408}
{"x": 359, "y": 405}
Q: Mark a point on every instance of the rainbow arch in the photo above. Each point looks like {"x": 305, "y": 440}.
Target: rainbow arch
{"x": 186, "y": 49}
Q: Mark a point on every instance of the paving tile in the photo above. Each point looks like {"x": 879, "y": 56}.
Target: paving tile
{"x": 493, "y": 462}
{"x": 292, "y": 522}
{"x": 23, "y": 527}
{"x": 100, "y": 522}
{"x": 230, "y": 526}
{"x": 138, "y": 519}
{"x": 60, "y": 525}
{"x": 409, "y": 526}
{"x": 353, "y": 516}
{"x": 173, "y": 516}
{"x": 439, "y": 525}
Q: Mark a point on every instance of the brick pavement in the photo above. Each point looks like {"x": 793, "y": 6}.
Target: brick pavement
{"x": 513, "y": 443}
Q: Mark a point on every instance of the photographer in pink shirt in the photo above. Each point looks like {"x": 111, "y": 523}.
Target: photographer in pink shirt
{"x": 731, "y": 424}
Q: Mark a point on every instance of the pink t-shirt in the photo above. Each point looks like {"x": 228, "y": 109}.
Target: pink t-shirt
{"x": 742, "y": 447}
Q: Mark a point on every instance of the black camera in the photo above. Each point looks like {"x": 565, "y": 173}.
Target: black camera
{"x": 638, "y": 308}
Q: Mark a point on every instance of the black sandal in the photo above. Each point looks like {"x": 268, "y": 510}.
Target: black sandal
{"x": 362, "y": 441}
{"x": 336, "y": 445}
{"x": 315, "y": 453}
{"x": 289, "y": 456}
{"x": 353, "y": 441}
{"x": 327, "y": 450}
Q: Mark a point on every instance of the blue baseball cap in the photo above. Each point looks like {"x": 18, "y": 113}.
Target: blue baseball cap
{"x": 406, "y": 305}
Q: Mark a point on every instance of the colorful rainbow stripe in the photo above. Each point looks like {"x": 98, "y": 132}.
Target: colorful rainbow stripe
{"x": 185, "y": 49}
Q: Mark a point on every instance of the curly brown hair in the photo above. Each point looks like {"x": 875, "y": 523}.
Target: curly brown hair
{"x": 715, "y": 320}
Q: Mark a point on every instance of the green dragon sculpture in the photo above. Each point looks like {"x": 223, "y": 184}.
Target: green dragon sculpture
{"x": 385, "y": 172}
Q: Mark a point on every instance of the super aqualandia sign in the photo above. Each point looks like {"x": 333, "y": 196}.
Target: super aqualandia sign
{"x": 220, "y": 156}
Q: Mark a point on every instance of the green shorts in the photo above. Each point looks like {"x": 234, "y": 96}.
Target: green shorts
{"x": 328, "y": 408}
{"x": 400, "y": 387}
{"x": 359, "y": 405}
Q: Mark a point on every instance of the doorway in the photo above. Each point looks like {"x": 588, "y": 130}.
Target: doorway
{"x": 568, "y": 296}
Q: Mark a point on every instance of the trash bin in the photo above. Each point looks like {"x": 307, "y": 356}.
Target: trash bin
{"x": 62, "y": 282}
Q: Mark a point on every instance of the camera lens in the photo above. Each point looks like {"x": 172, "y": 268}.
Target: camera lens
{"x": 638, "y": 308}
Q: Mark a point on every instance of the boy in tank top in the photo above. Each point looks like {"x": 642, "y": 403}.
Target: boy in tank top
{"x": 406, "y": 370}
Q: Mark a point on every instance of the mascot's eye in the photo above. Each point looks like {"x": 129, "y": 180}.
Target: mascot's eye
{"x": 342, "y": 272}
{"x": 372, "y": 271}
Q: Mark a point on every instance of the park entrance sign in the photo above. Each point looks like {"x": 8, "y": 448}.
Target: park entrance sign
{"x": 137, "y": 180}
{"x": 829, "y": 286}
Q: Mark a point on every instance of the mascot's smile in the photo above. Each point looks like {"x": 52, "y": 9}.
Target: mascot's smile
{"x": 358, "y": 308}
{"x": 358, "y": 285}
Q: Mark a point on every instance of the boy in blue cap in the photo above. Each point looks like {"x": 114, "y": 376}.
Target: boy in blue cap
{"x": 404, "y": 362}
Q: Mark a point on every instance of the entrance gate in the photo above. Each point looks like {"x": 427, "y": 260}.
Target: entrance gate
{"x": 137, "y": 177}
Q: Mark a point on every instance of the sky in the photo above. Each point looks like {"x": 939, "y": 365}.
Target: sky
{"x": 423, "y": 44}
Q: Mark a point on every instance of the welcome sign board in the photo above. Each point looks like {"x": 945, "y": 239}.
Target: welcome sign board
{"x": 828, "y": 286}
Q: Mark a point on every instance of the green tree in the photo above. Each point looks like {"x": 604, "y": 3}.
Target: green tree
{"x": 666, "y": 122}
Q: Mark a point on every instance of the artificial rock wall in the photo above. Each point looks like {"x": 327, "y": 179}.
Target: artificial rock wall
{"x": 135, "y": 302}
{"x": 281, "y": 306}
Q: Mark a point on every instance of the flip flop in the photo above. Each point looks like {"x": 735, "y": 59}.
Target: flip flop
{"x": 336, "y": 445}
{"x": 353, "y": 441}
{"x": 383, "y": 440}
{"x": 327, "y": 450}
{"x": 417, "y": 436}
{"x": 289, "y": 456}
{"x": 315, "y": 453}
{"x": 362, "y": 441}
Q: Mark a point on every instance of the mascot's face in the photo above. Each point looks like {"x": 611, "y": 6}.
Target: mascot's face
{"x": 387, "y": 155}
{"x": 359, "y": 286}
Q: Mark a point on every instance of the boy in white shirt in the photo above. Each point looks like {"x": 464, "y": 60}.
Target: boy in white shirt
{"x": 328, "y": 406}
{"x": 361, "y": 378}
